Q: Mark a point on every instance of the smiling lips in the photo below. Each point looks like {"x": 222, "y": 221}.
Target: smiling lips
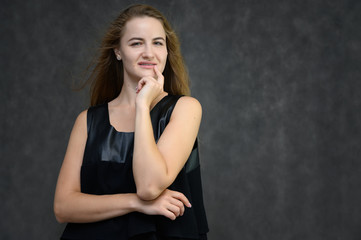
{"x": 148, "y": 65}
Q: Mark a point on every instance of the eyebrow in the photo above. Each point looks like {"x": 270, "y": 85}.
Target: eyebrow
{"x": 141, "y": 39}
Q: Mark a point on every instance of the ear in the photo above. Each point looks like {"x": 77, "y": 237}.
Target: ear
{"x": 117, "y": 54}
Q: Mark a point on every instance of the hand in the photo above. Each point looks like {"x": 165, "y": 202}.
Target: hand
{"x": 149, "y": 88}
{"x": 169, "y": 204}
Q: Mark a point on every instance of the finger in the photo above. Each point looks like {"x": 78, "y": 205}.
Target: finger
{"x": 160, "y": 77}
{"x": 182, "y": 198}
{"x": 174, "y": 209}
{"x": 140, "y": 85}
{"x": 169, "y": 214}
{"x": 179, "y": 204}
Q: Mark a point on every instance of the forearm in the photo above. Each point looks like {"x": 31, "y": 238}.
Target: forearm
{"x": 149, "y": 167}
{"x": 81, "y": 208}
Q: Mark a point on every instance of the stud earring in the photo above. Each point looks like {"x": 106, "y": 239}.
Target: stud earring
{"x": 118, "y": 57}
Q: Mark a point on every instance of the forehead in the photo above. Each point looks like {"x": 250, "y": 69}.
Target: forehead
{"x": 143, "y": 27}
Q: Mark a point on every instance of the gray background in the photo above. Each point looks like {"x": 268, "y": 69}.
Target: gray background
{"x": 280, "y": 88}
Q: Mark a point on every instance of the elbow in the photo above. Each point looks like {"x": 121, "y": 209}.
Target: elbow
{"x": 148, "y": 193}
{"x": 59, "y": 213}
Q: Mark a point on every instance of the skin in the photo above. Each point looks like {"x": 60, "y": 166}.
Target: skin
{"x": 155, "y": 165}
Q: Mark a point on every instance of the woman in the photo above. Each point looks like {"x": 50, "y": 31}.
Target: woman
{"x": 131, "y": 169}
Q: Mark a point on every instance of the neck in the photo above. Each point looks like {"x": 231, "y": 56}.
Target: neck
{"x": 127, "y": 94}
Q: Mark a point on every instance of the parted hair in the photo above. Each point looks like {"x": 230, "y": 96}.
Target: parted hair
{"x": 107, "y": 75}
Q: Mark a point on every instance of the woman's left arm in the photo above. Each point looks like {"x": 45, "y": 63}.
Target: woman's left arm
{"x": 156, "y": 165}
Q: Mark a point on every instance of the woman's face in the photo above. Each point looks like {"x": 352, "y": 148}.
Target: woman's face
{"x": 142, "y": 46}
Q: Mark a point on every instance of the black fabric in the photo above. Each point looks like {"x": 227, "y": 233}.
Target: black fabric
{"x": 107, "y": 169}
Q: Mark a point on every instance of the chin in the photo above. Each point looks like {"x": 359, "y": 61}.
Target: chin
{"x": 147, "y": 74}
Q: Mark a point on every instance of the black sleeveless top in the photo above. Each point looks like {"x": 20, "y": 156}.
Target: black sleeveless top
{"x": 107, "y": 169}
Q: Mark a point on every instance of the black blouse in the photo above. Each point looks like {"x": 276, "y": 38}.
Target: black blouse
{"x": 107, "y": 169}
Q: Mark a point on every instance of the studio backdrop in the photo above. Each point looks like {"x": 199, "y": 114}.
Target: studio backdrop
{"x": 279, "y": 83}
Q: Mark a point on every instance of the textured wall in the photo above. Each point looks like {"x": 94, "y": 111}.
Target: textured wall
{"x": 280, "y": 89}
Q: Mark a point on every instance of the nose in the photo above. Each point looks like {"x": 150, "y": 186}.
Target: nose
{"x": 148, "y": 52}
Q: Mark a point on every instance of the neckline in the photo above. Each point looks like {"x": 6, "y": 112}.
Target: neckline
{"x": 108, "y": 117}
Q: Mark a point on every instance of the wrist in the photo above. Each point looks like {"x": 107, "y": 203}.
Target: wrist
{"x": 142, "y": 106}
{"x": 136, "y": 203}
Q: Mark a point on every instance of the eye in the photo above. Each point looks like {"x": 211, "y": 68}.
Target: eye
{"x": 158, "y": 43}
{"x": 135, "y": 44}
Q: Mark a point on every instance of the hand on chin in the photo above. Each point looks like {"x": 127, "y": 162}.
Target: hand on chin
{"x": 150, "y": 87}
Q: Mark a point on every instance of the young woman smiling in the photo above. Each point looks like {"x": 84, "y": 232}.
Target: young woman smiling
{"x": 131, "y": 169}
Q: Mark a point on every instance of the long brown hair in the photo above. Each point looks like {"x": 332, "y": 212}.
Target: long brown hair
{"x": 107, "y": 76}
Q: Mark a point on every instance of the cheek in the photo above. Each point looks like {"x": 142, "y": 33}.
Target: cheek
{"x": 129, "y": 55}
{"x": 129, "y": 61}
{"x": 164, "y": 56}
{"x": 164, "y": 60}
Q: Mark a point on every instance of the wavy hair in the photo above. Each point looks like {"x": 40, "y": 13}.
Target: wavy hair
{"x": 107, "y": 76}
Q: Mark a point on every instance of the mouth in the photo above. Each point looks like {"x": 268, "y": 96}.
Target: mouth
{"x": 147, "y": 64}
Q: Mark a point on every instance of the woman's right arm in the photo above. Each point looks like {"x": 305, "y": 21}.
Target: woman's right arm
{"x": 71, "y": 205}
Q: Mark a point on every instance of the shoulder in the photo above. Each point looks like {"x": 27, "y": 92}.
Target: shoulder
{"x": 82, "y": 116}
{"x": 189, "y": 102}
{"x": 189, "y": 106}
{"x": 81, "y": 119}
{"x": 96, "y": 112}
{"x": 87, "y": 115}
{"x": 97, "y": 108}
{"x": 79, "y": 130}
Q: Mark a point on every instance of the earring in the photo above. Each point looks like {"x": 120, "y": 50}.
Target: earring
{"x": 118, "y": 57}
